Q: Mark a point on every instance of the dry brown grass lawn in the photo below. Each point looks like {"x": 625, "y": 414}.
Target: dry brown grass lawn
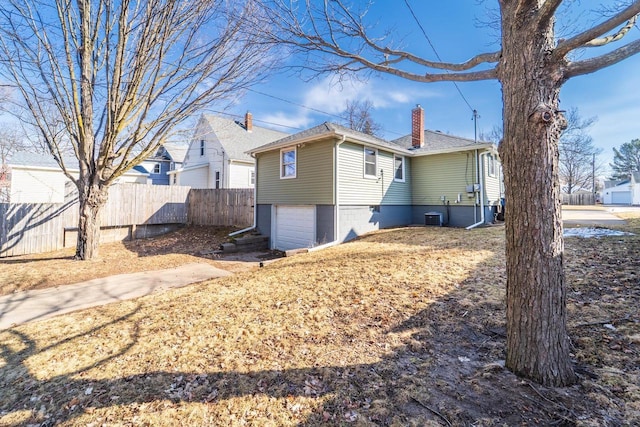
{"x": 187, "y": 245}
{"x": 402, "y": 327}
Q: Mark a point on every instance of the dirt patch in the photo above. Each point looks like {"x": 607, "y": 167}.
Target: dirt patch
{"x": 402, "y": 327}
{"x": 184, "y": 246}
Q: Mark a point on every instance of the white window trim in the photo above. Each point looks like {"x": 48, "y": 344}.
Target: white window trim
{"x": 364, "y": 163}
{"x": 157, "y": 166}
{"x": 404, "y": 162}
{"x": 252, "y": 177}
{"x": 491, "y": 161}
{"x": 202, "y": 147}
{"x": 295, "y": 163}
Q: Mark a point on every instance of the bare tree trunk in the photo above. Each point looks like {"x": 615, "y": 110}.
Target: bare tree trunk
{"x": 92, "y": 199}
{"x": 537, "y": 340}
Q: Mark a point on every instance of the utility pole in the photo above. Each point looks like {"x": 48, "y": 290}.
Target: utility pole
{"x": 593, "y": 177}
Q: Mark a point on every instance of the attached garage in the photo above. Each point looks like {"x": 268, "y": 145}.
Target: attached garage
{"x": 294, "y": 227}
{"x": 621, "y": 197}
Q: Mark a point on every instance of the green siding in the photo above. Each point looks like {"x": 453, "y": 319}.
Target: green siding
{"x": 313, "y": 184}
{"x": 492, "y": 183}
{"x": 355, "y": 189}
{"x": 443, "y": 175}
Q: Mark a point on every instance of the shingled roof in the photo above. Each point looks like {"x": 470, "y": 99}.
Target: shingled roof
{"x": 236, "y": 140}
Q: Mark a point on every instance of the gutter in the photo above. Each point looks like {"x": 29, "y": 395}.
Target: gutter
{"x": 255, "y": 204}
{"x": 481, "y": 182}
{"x": 336, "y": 192}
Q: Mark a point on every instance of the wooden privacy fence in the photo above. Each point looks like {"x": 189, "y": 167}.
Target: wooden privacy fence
{"x": 579, "y": 199}
{"x": 132, "y": 210}
{"x": 221, "y": 207}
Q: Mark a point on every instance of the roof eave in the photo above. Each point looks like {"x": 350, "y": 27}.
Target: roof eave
{"x": 489, "y": 147}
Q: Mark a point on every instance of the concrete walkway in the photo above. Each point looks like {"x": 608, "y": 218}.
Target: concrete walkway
{"x": 22, "y": 307}
{"x": 589, "y": 217}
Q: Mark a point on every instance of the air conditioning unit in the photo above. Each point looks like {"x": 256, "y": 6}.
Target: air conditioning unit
{"x": 433, "y": 218}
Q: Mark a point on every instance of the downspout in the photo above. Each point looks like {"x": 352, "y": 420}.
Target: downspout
{"x": 336, "y": 192}
{"x": 255, "y": 204}
{"x": 480, "y": 181}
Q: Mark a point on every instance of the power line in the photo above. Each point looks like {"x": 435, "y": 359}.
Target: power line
{"x": 303, "y": 106}
{"x": 424, "y": 33}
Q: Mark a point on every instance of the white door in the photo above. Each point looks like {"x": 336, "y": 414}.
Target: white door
{"x": 295, "y": 227}
{"x": 621, "y": 197}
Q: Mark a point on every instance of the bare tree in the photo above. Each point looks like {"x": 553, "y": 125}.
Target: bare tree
{"x": 113, "y": 79}
{"x": 531, "y": 65}
{"x": 578, "y": 156}
{"x": 357, "y": 116}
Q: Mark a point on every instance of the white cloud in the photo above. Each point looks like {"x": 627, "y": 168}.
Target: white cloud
{"x": 299, "y": 120}
{"x": 330, "y": 96}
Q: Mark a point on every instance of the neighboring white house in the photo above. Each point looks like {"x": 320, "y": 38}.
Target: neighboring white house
{"x": 37, "y": 178}
{"x": 625, "y": 192}
{"x": 217, "y": 158}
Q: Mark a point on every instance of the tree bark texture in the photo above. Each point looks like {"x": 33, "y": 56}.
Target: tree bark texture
{"x": 92, "y": 199}
{"x": 537, "y": 340}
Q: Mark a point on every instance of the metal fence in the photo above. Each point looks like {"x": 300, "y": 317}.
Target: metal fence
{"x": 132, "y": 210}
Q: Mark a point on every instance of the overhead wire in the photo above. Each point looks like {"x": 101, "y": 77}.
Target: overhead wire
{"x": 424, "y": 33}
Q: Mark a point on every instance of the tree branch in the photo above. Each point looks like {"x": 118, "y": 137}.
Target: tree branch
{"x": 583, "y": 39}
{"x": 547, "y": 12}
{"x": 594, "y": 64}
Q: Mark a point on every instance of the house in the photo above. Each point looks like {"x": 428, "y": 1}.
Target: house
{"x": 168, "y": 157}
{"x": 217, "y": 155}
{"x": 626, "y": 192}
{"x": 330, "y": 183}
{"x": 37, "y": 178}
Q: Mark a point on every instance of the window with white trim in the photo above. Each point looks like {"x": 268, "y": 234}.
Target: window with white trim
{"x": 252, "y": 177}
{"x": 288, "y": 163}
{"x": 217, "y": 179}
{"x": 202, "y": 147}
{"x": 491, "y": 165}
{"x": 398, "y": 168}
{"x": 370, "y": 162}
{"x": 156, "y": 168}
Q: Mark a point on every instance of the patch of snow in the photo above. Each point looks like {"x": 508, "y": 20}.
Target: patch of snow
{"x": 589, "y": 232}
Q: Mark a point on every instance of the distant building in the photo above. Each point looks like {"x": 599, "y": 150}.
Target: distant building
{"x": 217, "y": 155}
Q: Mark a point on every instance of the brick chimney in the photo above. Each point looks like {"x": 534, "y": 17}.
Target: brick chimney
{"x": 248, "y": 121}
{"x": 417, "y": 127}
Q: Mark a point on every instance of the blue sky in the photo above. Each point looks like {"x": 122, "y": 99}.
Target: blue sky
{"x": 612, "y": 94}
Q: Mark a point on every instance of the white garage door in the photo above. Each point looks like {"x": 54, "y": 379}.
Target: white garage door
{"x": 621, "y": 197}
{"x": 295, "y": 227}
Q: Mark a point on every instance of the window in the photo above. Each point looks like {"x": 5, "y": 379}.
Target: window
{"x": 156, "y": 168}
{"x": 202, "y": 147}
{"x": 398, "y": 168}
{"x": 217, "y": 179}
{"x": 175, "y": 179}
{"x": 288, "y": 167}
{"x": 252, "y": 177}
{"x": 491, "y": 165}
{"x": 370, "y": 162}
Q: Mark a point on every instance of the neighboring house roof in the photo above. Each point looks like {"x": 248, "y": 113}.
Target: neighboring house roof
{"x": 27, "y": 159}
{"x": 175, "y": 151}
{"x": 438, "y": 142}
{"x": 331, "y": 129}
{"x": 139, "y": 169}
{"x": 235, "y": 139}
{"x": 37, "y": 160}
